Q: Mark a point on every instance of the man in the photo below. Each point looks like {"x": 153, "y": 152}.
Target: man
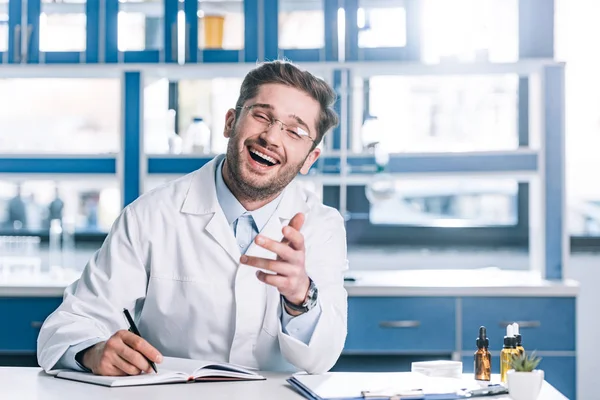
{"x": 188, "y": 259}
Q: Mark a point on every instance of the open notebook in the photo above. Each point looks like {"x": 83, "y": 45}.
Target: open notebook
{"x": 171, "y": 370}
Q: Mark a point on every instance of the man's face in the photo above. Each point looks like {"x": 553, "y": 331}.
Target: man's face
{"x": 271, "y": 140}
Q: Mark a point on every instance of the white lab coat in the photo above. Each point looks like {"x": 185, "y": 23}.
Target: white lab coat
{"x": 172, "y": 257}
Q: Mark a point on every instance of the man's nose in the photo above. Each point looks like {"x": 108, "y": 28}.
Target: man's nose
{"x": 272, "y": 135}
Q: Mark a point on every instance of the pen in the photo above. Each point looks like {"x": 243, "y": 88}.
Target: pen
{"x": 134, "y": 330}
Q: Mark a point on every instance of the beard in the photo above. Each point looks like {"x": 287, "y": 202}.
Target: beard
{"x": 247, "y": 184}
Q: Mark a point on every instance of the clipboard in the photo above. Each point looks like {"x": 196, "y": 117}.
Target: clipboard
{"x": 415, "y": 394}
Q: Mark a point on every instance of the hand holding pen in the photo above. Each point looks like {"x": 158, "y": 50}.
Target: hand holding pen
{"x": 134, "y": 329}
{"x": 125, "y": 353}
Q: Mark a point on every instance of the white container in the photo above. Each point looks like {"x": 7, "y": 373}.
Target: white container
{"x": 524, "y": 385}
{"x": 196, "y": 139}
{"x": 441, "y": 368}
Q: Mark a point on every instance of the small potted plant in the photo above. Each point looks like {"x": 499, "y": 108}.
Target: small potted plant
{"x": 524, "y": 380}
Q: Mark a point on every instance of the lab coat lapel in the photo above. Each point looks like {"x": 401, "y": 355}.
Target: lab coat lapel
{"x": 201, "y": 199}
{"x": 219, "y": 229}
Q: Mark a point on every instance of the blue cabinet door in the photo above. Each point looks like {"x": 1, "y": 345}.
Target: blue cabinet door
{"x": 10, "y": 31}
{"x": 388, "y": 325}
{"x": 222, "y": 32}
{"x": 546, "y": 323}
{"x": 559, "y": 371}
{"x": 21, "y": 319}
{"x": 141, "y": 31}
{"x": 64, "y": 32}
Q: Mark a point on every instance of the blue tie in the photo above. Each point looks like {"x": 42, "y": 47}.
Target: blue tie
{"x": 245, "y": 231}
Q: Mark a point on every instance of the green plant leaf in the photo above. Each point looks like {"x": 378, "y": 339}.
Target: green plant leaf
{"x": 525, "y": 362}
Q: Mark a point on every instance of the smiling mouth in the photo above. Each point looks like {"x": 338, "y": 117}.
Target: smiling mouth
{"x": 262, "y": 158}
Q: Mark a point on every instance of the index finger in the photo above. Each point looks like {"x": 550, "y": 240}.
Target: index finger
{"x": 140, "y": 345}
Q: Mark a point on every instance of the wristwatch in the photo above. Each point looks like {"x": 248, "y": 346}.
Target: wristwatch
{"x": 309, "y": 302}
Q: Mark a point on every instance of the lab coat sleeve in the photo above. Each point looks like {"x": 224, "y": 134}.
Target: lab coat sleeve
{"x": 326, "y": 263}
{"x": 68, "y": 360}
{"x": 301, "y": 326}
{"x": 92, "y": 307}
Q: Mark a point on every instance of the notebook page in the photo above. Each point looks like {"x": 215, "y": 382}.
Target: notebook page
{"x": 221, "y": 373}
{"x": 194, "y": 367}
{"x": 184, "y": 365}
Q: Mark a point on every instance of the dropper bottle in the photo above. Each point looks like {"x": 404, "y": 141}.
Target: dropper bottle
{"x": 509, "y": 349}
{"x": 483, "y": 357}
{"x": 518, "y": 338}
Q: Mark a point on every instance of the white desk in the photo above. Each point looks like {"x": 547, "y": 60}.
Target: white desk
{"x": 32, "y": 383}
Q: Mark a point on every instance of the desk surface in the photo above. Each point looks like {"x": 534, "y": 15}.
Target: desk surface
{"x": 32, "y": 383}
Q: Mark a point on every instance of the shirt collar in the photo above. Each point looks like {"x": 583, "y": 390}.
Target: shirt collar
{"x": 232, "y": 207}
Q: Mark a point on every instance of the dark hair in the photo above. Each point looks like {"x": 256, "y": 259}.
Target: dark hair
{"x": 286, "y": 73}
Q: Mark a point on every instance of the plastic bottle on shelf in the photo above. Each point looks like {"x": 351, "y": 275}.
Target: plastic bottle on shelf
{"x": 196, "y": 139}
{"x": 371, "y": 131}
{"x": 382, "y": 186}
{"x": 174, "y": 140}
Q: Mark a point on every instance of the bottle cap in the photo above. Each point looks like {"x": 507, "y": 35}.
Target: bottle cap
{"x": 509, "y": 339}
{"x": 482, "y": 340}
{"x": 517, "y": 334}
{"x": 510, "y": 342}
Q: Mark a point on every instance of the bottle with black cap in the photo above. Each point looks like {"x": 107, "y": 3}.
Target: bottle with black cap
{"x": 483, "y": 357}
{"x": 508, "y": 351}
{"x": 518, "y": 338}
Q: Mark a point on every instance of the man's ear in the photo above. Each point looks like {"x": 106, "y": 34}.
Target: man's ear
{"x": 229, "y": 123}
{"x": 310, "y": 160}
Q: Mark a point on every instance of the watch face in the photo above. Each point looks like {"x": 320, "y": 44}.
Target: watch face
{"x": 311, "y": 296}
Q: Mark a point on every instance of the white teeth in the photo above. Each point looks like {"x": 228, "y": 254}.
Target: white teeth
{"x": 266, "y": 157}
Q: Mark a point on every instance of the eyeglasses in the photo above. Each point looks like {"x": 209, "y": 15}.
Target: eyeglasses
{"x": 295, "y": 133}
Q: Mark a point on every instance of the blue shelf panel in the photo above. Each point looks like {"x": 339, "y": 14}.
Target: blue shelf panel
{"x": 221, "y": 56}
{"x": 62, "y": 57}
{"x": 554, "y": 167}
{"x": 131, "y": 185}
{"x": 366, "y": 164}
{"x": 306, "y": 55}
{"x": 271, "y": 29}
{"x": 104, "y": 165}
{"x": 384, "y": 53}
{"x": 175, "y": 165}
{"x": 142, "y": 56}
{"x": 34, "y": 10}
{"x": 443, "y": 164}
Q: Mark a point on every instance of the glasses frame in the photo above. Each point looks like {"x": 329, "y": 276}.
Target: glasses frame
{"x": 281, "y": 124}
